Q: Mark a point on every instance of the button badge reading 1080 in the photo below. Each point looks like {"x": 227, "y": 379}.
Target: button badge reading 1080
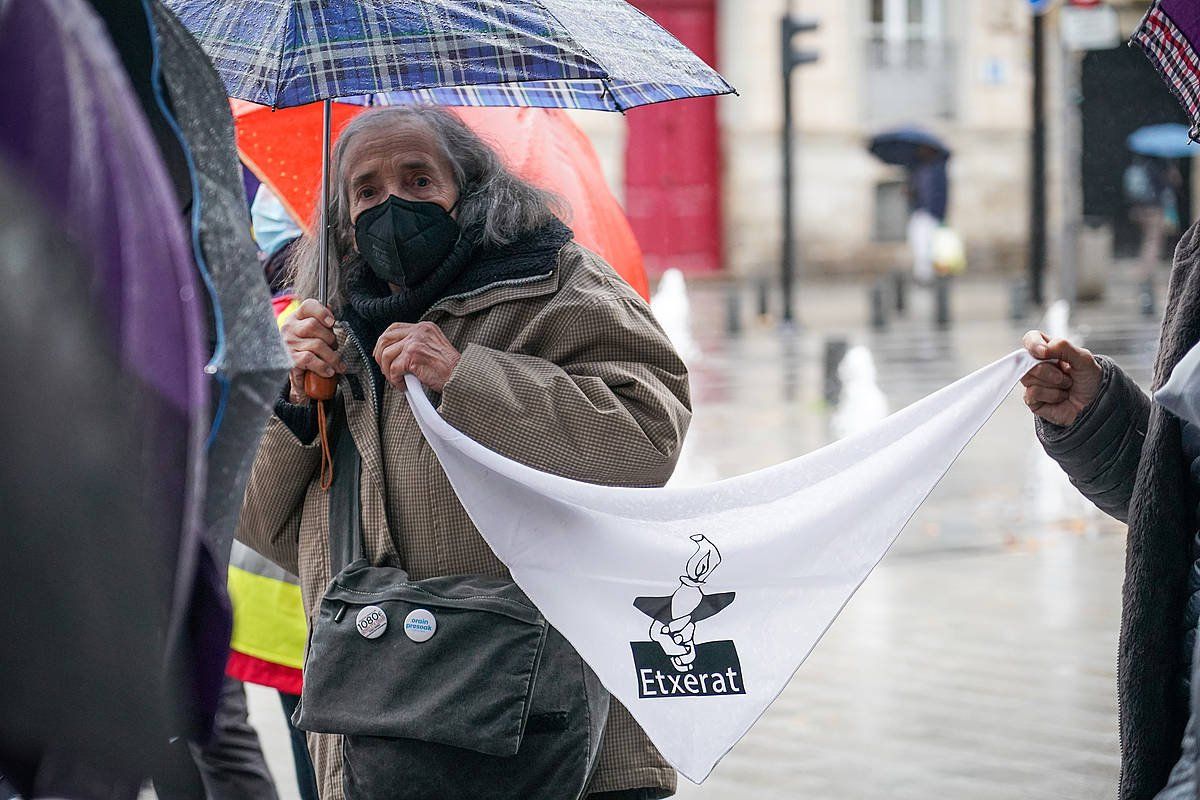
{"x": 420, "y": 625}
{"x": 371, "y": 622}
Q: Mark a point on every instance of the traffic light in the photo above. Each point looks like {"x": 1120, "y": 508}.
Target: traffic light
{"x": 793, "y": 57}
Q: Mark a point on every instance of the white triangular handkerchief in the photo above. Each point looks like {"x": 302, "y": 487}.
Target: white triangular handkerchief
{"x": 695, "y": 606}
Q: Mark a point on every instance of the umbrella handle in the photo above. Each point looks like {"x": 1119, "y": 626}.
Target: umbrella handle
{"x": 318, "y": 387}
{"x": 322, "y": 389}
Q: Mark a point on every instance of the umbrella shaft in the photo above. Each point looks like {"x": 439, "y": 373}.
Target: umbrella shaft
{"x": 323, "y": 241}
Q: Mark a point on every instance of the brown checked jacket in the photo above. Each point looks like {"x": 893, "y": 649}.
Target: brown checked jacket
{"x": 568, "y": 373}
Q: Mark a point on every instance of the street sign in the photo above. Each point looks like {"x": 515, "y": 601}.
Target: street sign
{"x": 1040, "y": 6}
{"x": 1094, "y": 27}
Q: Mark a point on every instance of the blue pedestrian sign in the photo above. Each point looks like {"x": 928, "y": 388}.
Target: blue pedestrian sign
{"x": 1040, "y": 6}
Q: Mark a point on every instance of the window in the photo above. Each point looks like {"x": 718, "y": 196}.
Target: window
{"x": 891, "y": 212}
{"x": 916, "y": 12}
{"x": 909, "y": 62}
{"x": 900, "y": 21}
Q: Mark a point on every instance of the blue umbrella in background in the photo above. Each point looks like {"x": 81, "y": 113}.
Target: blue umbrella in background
{"x": 1162, "y": 141}
{"x": 902, "y": 146}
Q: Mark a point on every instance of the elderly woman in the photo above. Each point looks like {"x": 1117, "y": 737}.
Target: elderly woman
{"x": 454, "y": 270}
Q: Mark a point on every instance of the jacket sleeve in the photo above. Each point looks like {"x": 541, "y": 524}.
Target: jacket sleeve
{"x": 598, "y": 395}
{"x": 279, "y": 479}
{"x": 1101, "y": 449}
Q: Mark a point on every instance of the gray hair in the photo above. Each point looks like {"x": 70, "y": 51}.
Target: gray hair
{"x": 495, "y": 207}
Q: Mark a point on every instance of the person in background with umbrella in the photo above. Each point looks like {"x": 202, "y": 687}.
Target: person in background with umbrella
{"x": 1151, "y": 184}
{"x": 927, "y": 188}
{"x": 928, "y": 193}
{"x": 451, "y": 268}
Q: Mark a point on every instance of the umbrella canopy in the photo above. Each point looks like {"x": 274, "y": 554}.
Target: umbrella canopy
{"x": 543, "y": 146}
{"x": 595, "y": 54}
{"x": 1170, "y": 37}
{"x": 599, "y": 54}
{"x": 1162, "y": 141}
{"x": 902, "y": 146}
{"x": 249, "y": 361}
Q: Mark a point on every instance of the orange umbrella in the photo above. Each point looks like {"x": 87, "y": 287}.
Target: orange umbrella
{"x": 541, "y": 145}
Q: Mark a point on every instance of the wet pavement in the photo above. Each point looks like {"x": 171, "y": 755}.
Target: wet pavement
{"x": 978, "y": 661}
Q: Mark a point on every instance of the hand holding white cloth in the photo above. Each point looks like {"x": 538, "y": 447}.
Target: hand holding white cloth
{"x": 695, "y": 606}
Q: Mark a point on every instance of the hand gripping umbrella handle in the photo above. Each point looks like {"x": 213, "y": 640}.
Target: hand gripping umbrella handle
{"x": 322, "y": 389}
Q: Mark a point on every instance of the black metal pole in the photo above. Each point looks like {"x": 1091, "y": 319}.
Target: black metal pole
{"x": 323, "y": 234}
{"x": 787, "y": 29}
{"x": 1037, "y": 174}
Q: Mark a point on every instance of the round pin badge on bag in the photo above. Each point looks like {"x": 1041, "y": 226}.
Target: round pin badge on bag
{"x": 420, "y": 625}
{"x": 371, "y": 622}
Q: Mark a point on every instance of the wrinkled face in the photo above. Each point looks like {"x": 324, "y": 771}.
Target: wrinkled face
{"x": 405, "y": 160}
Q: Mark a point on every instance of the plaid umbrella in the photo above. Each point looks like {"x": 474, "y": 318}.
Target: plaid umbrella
{"x": 1170, "y": 36}
{"x": 594, "y": 54}
{"x": 597, "y": 54}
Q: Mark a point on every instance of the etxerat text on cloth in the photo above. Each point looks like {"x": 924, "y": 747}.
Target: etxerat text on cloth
{"x": 695, "y": 606}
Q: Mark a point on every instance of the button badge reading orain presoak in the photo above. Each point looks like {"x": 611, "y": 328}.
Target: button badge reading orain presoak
{"x": 420, "y": 625}
{"x": 371, "y": 622}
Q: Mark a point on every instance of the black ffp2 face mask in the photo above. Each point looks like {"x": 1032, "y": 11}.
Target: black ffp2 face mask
{"x": 404, "y": 241}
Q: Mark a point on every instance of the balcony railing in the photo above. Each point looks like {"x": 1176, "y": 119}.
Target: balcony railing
{"x": 909, "y": 81}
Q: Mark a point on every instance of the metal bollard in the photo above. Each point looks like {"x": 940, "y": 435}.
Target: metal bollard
{"x": 1018, "y": 300}
{"x": 835, "y": 351}
{"x": 941, "y": 288}
{"x": 764, "y": 298}
{"x": 733, "y": 309}
{"x": 1146, "y": 297}
{"x": 878, "y": 300}
{"x": 900, "y": 291}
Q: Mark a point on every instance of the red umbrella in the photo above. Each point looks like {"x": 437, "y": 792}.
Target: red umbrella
{"x": 543, "y": 146}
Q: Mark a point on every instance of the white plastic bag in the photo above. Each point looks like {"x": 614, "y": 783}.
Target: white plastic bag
{"x": 949, "y": 253}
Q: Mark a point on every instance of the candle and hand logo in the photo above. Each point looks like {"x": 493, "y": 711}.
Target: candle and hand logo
{"x": 672, "y": 664}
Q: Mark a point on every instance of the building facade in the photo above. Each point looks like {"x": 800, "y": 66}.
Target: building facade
{"x": 959, "y": 68}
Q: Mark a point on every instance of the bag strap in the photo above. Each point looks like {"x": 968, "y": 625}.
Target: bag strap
{"x": 345, "y": 503}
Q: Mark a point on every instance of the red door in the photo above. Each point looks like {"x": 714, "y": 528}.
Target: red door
{"x": 673, "y": 158}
